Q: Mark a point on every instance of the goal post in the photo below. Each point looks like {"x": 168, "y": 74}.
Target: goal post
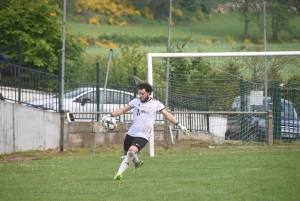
{"x": 151, "y": 56}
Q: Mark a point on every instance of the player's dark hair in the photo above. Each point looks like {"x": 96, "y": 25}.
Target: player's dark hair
{"x": 146, "y": 86}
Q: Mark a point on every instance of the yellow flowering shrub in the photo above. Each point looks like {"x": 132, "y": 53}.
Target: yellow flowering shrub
{"x": 280, "y": 39}
{"x": 204, "y": 16}
{"x": 111, "y": 21}
{"x": 194, "y": 19}
{"x": 93, "y": 38}
{"x": 261, "y": 41}
{"x": 123, "y": 23}
{"x": 247, "y": 41}
{"x": 83, "y": 41}
{"x": 206, "y": 41}
{"x": 94, "y": 20}
{"x": 176, "y": 12}
{"x": 78, "y": 7}
{"x": 115, "y": 8}
{"x": 105, "y": 44}
{"x": 146, "y": 12}
{"x": 53, "y": 14}
{"x": 229, "y": 40}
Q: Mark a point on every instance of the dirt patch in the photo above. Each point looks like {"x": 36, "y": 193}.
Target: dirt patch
{"x": 19, "y": 158}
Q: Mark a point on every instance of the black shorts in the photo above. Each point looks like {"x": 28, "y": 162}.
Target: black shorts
{"x": 138, "y": 142}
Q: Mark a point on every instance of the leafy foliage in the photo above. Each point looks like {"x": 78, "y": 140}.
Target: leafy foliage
{"x": 123, "y": 65}
{"x": 36, "y": 26}
{"x": 114, "y": 12}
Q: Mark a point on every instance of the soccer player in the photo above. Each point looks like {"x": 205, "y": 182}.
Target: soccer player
{"x": 145, "y": 109}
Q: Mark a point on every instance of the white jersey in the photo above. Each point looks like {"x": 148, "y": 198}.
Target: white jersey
{"x": 144, "y": 114}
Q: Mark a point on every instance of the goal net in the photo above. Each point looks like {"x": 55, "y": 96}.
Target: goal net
{"x": 227, "y": 94}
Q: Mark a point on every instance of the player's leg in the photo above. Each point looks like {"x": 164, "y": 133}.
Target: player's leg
{"x": 128, "y": 158}
{"x": 139, "y": 143}
{"x": 133, "y": 145}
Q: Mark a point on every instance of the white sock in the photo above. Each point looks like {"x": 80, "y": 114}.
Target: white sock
{"x": 135, "y": 158}
{"x": 126, "y": 162}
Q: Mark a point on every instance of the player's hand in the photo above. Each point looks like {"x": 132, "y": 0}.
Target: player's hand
{"x": 182, "y": 128}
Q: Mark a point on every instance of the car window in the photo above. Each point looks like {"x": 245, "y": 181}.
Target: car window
{"x": 91, "y": 96}
{"x": 261, "y": 108}
{"x": 108, "y": 97}
{"x": 74, "y": 93}
{"x": 111, "y": 97}
{"x": 120, "y": 97}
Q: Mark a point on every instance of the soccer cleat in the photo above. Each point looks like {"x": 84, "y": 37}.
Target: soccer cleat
{"x": 118, "y": 177}
{"x": 137, "y": 166}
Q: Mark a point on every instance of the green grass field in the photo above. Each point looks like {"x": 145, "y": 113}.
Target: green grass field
{"x": 195, "y": 173}
{"x": 204, "y": 36}
{"x": 216, "y": 29}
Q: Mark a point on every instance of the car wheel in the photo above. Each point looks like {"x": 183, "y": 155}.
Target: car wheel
{"x": 227, "y": 135}
{"x": 252, "y": 135}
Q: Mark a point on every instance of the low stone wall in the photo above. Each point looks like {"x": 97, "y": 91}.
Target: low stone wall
{"x": 82, "y": 134}
{"x": 23, "y": 128}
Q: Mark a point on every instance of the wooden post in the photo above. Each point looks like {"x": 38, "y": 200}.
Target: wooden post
{"x": 269, "y": 128}
{"x": 64, "y": 127}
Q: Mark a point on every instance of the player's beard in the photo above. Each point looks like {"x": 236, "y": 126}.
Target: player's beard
{"x": 145, "y": 99}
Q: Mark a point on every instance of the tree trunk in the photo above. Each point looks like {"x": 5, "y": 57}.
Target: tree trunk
{"x": 274, "y": 28}
{"x": 246, "y": 18}
{"x": 246, "y": 29}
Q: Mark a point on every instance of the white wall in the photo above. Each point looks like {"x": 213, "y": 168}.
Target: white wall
{"x": 23, "y": 128}
{"x": 217, "y": 125}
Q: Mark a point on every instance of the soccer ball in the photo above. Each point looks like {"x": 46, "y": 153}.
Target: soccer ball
{"x": 110, "y": 123}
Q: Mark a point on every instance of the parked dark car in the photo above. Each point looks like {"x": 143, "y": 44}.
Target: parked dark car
{"x": 255, "y": 123}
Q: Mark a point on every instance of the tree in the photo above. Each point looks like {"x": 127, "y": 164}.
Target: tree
{"x": 121, "y": 71}
{"x": 280, "y": 14}
{"x": 297, "y": 5}
{"x": 248, "y": 10}
{"x": 36, "y": 25}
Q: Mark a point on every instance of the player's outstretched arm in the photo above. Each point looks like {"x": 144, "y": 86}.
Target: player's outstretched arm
{"x": 122, "y": 110}
{"x": 173, "y": 120}
{"x": 117, "y": 112}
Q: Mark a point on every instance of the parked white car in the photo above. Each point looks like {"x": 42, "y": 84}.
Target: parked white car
{"x": 85, "y": 100}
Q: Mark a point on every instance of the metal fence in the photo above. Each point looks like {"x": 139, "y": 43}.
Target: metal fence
{"x": 23, "y": 85}
{"x": 41, "y": 90}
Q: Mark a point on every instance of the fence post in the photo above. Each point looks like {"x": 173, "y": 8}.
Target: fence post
{"x": 244, "y": 118}
{"x": 135, "y": 74}
{"x": 98, "y": 90}
{"x": 64, "y": 129}
{"x": 59, "y": 84}
{"x": 19, "y": 47}
{"x": 276, "y": 111}
{"x": 269, "y": 128}
{"x": 20, "y": 84}
{"x": 171, "y": 99}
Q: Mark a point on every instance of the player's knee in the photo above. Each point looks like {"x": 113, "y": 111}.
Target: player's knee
{"x": 130, "y": 153}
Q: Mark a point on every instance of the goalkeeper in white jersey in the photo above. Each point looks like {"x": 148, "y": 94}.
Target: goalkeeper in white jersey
{"x": 145, "y": 109}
